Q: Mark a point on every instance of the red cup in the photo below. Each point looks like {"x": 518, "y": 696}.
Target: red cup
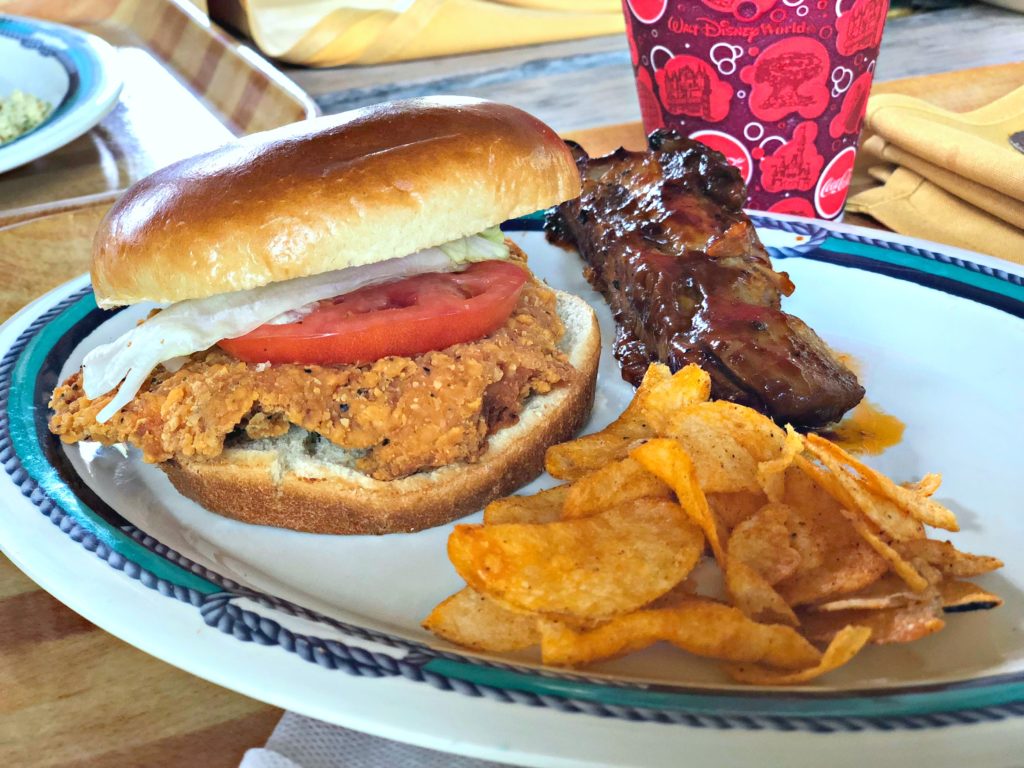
{"x": 778, "y": 86}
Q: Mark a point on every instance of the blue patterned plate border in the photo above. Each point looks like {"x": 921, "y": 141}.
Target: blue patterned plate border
{"x": 36, "y": 463}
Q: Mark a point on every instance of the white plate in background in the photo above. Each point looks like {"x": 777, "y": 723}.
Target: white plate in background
{"x": 75, "y": 72}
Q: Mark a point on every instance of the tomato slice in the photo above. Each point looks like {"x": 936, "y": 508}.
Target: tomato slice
{"x": 405, "y": 317}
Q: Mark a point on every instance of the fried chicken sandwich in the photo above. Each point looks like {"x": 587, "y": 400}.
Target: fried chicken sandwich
{"x": 344, "y": 340}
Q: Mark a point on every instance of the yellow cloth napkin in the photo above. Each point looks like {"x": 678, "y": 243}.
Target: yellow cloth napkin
{"x": 912, "y": 205}
{"x": 974, "y": 144}
{"x": 986, "y": 198}
{"x": 952, "y": 177}
{"x": 328, "y": 33}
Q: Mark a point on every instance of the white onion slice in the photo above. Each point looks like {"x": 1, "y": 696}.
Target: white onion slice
{"x": 197, "y": 324}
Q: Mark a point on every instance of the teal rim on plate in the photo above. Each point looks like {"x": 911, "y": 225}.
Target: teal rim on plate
{"x": 36, "y": 462}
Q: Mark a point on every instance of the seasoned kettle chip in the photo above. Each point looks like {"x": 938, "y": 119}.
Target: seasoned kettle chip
{"x": 882, "y": 512}
{"x": 890, "y": 591}
{"x": 902, "y": 624}
{"x": 834, "y": 559}
{"x": 616, "y": 483}
{"x": 763, "y": 542}
{"x": 762, "y": 438}
{"x": 574, "y": 459}
{"x": 755, "y": 596}
{"x": 687, "y": 386}
{"x": 472, "y": 620}
{"x": 807, "y": 544}
{"x": 543, "y": 507}
{"x": 847, "y": 505}
{"x": 960, "y": 596}
{"x": 593, "y": 567}
{"x": 699, "y": 626}
{"x": 919, "y": 505}
{"x": 725, "y": 443}
{"x": 751, "y": 593}
{"x": 947, "y": 558}
{"x": 771, "y": 473}
{"x": 731, "y": 509}
{"x": 846, "y": 644}
{"x": 721, "y": 463}
{"x": 668, "y": 460}
{"x": 926, "y": 486}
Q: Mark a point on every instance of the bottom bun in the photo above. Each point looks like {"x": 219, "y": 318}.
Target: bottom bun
{"x": 278, "y": 482}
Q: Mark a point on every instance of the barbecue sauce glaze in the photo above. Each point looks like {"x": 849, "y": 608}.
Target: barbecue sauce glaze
{"x": 666, "y": 241}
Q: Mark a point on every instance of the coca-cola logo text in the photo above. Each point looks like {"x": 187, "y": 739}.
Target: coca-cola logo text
{"x": 834, "y": 183}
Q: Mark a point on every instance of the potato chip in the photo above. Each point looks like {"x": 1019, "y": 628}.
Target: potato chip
{"x": 655, "y": 375}
{"x": 960, "y": 596}
{"x": 762, "y": 438}
{"x": 682, "y": 592}
{"x": 722, "y": 464}
{"x": 894, "y": 600}
{"x": 763, "y": 543}
{"x": 605, "y": 565}
{"x": 615, "y": 483}
{"x": 669, "y": 461}
{"x": 725, "y": 442}
{"x": 926, "y": 486}
{"x": 890, "y": 591}
{"x": 543, "y": 507}
{"x": 755, "y": 596}
{"x": 918, "y": 506}
{"x": 771, "y": 474}
{"x": 687, "y": 386}
{"x": 932, "y": 574}
{"x": 890, "y": 625}
{"x": 846, "y": 644}
{"x": 593, "y": 567}
{"x": 472, "y": 620}
{"x": 750, "y": 592}
{"x": 899, "y": 565}
{"x": 699, "y": 626}
{"x": 572, "y": 460}
{"x": 731, "y": 509}
{"x": 947, "y": 559}
{"x": 886, "y": 516}
{"x": 847, "y": 505}
{"x": 834, "y": 559}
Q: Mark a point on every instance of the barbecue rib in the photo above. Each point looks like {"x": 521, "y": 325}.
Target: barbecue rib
{"x": 666, "y": 241}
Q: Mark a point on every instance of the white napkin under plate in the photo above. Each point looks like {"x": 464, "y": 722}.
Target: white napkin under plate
{"x": 302, "y": 742}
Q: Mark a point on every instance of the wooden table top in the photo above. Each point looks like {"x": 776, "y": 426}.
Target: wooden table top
{"x": 72, "y": 695}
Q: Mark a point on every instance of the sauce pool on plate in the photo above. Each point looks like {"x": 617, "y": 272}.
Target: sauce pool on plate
{"x": 866, "y": 429}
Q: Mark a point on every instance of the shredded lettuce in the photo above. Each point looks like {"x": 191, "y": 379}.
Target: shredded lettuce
{"x": 494, "y": 234}
{"x": 197, "y": 324}
{"x": 485, "y": 246}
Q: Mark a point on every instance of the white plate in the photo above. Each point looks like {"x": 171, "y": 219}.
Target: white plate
{"x": 72, "y": 70}
{"x": 329, "y": 626}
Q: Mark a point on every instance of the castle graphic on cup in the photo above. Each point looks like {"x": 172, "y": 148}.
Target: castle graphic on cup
{"x": 778, "y": 86}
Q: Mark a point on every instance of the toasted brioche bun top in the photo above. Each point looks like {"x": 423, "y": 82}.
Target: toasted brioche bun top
{"x": 356, "y": 188}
